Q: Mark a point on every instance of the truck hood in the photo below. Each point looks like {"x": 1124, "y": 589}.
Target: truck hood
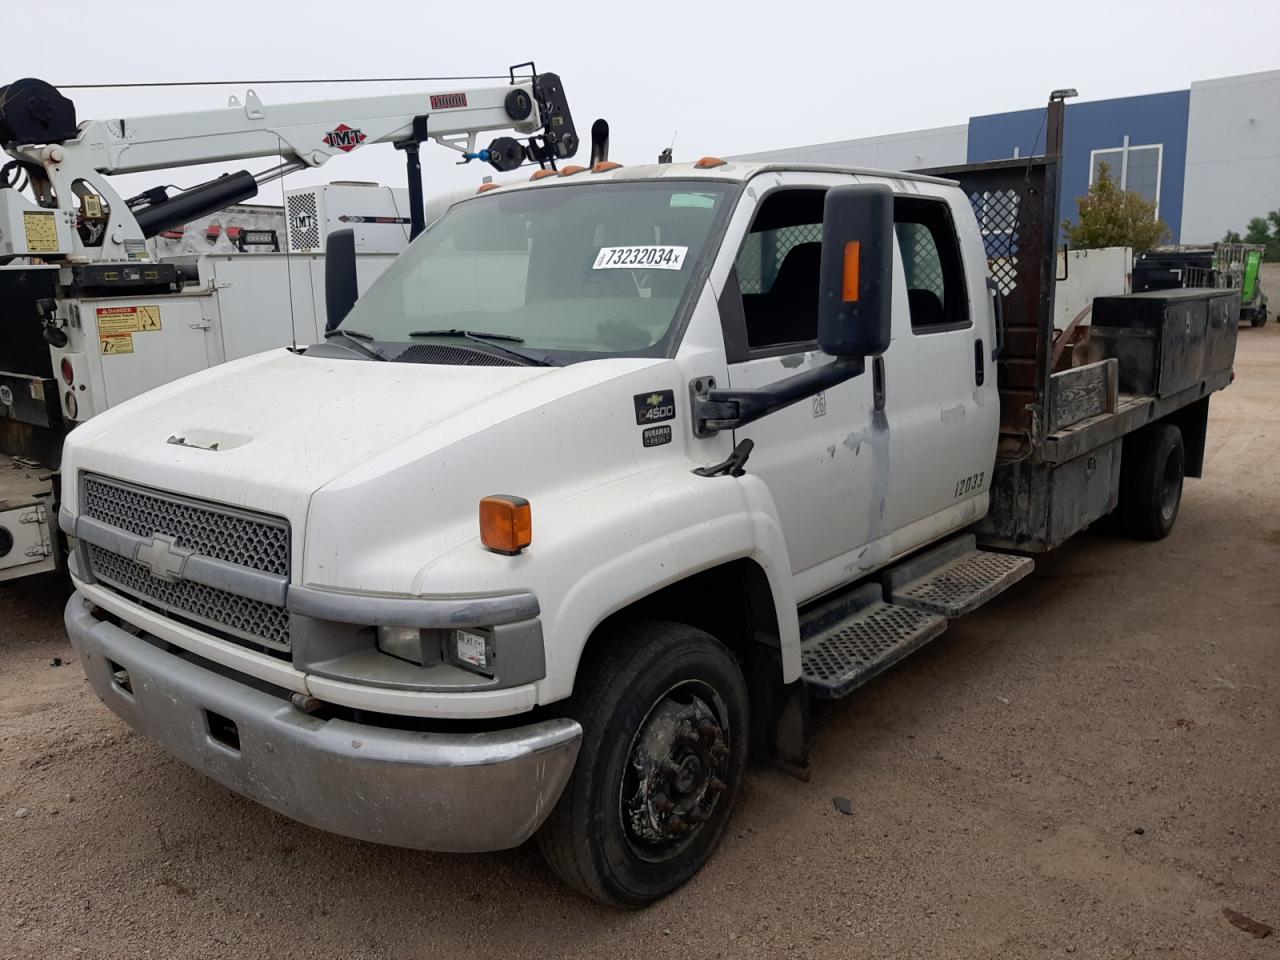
{"x": 270, "y": 431}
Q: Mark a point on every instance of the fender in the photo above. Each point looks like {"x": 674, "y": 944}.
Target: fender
{"x": 664, "y": 527}
{"x": 600, "y": 549}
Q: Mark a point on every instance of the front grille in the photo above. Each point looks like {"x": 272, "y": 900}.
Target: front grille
{"x": 224, "y": 533}
{"x": 248, "y": 540}
{"x": 226, "y": 613}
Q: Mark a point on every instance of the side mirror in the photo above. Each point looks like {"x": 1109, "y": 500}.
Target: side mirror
{"x": 340, "y": 289}
{"x": 856, "y": 282}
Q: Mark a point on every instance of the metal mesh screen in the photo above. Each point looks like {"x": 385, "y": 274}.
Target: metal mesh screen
{"x": 453, "y": 356}
{"x": 763, "y": 252}
{"x": 260, "y": 543}
{"x": 920, "y": 261}
{"x": 222, "y": 533}
{"x": 997, "y": 212}
{"x": 225, "y": 612}
{"x": 303, "y": 222}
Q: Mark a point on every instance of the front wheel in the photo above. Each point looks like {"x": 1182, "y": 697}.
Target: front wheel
{"x": 664, "y": 713}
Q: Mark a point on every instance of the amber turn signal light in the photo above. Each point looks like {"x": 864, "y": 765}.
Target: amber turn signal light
{"x": 852, "y": 268}
{"x": 506, "y": 523}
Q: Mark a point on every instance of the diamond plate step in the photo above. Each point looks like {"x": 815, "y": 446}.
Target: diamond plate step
{"x": 849, "y": 644}
{"x": 955, "y": 578}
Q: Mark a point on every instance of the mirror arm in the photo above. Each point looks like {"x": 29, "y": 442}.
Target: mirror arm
{"x": 718, "y": 410}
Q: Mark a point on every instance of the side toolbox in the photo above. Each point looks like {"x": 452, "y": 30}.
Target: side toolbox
{"x": 1166, "y": 340}
{"x": 1037, "y": 506}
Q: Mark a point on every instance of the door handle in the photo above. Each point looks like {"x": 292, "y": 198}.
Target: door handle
{"x": 877, "y": 382}
{"x": 979, "y": 363}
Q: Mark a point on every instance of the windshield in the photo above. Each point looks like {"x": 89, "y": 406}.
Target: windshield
{"x": 596, "y": 269}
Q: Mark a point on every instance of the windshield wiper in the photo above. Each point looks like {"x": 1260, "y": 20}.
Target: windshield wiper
{"x": 356, "y": 336}
{"x": 494, "y": 340}
{"x": 473, "y": 334}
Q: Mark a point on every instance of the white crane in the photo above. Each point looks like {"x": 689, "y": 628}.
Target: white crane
{"x": 78, "y": 216}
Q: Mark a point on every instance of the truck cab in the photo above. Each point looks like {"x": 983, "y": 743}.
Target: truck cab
{"x": 607, "y": 474}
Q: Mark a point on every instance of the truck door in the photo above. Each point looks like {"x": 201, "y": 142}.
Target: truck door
{"x": 817, "y": 456}
{"x": 939, "y": 379}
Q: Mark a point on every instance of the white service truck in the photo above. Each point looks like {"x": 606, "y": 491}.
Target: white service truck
{"x": 604, "y": 478}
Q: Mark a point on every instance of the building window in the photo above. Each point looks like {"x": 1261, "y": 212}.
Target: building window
{"x": 1135, "y": 168}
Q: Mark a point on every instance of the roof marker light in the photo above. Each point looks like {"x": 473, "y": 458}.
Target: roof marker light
{"x": 540, "y": 174}
{"x": 706, "y": 163}
{"x": 604, "y": 166}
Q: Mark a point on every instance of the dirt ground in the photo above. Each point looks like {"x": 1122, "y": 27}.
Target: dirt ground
{"x": 1086, "y": 766}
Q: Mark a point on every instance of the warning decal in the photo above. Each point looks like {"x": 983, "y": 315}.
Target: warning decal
{"x": 117, "y": 320}
{"x": 42, "y": 232}
{"x": 114, "y": 344}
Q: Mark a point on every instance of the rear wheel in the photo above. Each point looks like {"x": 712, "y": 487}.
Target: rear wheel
{"x": 1152, "y": 468}
{"x": 664, "y": 714}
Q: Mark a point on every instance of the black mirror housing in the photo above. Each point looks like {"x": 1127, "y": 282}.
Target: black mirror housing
{"x": 340, "y": 288}
{"x": 855, "y": 306}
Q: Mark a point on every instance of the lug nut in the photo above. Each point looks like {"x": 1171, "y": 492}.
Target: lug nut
{"x": 716, "y": 784}
{"x": 718, "y": 749}
{"x": 699, "y": 815}
{"x": 677, "y": 825}
{"x": 662, "y": 804}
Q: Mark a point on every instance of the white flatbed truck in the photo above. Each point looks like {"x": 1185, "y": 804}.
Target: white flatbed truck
{"x": 607, "y": 476}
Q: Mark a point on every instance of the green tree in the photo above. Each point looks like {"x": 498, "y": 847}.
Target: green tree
{"x": 1266, "y": 232}
{"x": 1111, "y": 217}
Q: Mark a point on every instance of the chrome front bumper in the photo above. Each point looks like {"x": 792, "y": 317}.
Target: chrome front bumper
{"x": 459, "y": 792}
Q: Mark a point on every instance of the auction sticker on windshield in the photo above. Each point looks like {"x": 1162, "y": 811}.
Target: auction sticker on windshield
{"x": 651, "y": 257}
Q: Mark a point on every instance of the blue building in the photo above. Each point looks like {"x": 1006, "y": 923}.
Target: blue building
{"x": 1142, "y": 140}
{"x": 1209, "y": 156}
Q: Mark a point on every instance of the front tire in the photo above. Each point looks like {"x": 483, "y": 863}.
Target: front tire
{"x": 665, "y": 720}
{"x": 1152, "y": 469}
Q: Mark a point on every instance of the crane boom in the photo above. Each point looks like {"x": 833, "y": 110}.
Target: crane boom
{"x": 69, "y": 164}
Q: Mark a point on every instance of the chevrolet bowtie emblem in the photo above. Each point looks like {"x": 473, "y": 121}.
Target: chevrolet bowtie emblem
{"x": 165, "y": 558}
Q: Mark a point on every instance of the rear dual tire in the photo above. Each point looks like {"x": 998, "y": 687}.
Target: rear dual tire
{"x": 1152, "y": 469}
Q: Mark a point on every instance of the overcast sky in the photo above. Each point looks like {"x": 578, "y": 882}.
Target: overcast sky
{"x": 730, "y": 77}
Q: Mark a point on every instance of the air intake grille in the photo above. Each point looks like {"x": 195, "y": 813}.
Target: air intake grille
{"x": 453, "y": 356}
{"x": 211, "y": 530}
{"x": 304, "y": 222}
{"x": 260, "y": 543}
{"x": 239, "y": 617}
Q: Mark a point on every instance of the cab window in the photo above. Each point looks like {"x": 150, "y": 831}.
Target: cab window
{"x": 930, "y": 251}
{"x": 777, "y": 270}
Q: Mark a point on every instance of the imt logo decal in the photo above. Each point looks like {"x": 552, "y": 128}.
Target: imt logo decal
{"x": 344, "y": 138}
{"x": 655, "y": 407}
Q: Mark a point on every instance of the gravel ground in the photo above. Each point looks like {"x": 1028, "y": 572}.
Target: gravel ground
{"x": 1086, "y": 766}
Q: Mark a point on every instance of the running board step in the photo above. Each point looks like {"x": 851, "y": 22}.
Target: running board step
{"x": 955, "y": 578}
{"x": 858, "y": 638}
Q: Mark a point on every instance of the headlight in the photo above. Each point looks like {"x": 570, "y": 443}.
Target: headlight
{"x": 409, "y": 643}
